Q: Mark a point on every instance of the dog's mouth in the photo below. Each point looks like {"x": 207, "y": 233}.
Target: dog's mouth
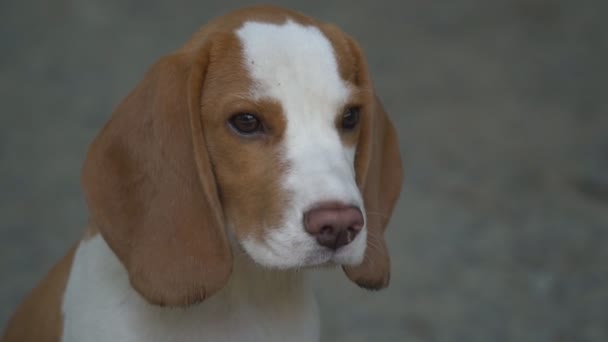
{"x": 316, "y": 258}
{"x": 323, "y": 257}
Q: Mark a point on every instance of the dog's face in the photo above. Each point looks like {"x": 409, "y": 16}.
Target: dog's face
{"x": 263, "y": 129}
{"x": 282, "y": 138}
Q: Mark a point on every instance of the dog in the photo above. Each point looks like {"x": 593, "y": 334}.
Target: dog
{"x": 256, "y": 151}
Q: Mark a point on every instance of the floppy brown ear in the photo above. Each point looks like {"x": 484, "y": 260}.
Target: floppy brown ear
{"x": 379, "y": 176}
{"x": 150, "y": 188}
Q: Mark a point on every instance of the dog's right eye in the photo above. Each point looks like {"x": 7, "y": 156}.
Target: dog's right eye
{"x": 246, "y": 123}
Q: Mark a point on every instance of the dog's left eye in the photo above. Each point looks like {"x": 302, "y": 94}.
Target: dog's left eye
{"x": 246, "y": 123}
{"x": 350, "y": 118}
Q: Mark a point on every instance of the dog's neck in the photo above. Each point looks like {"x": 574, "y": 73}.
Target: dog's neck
{"x": 257, "y": 304}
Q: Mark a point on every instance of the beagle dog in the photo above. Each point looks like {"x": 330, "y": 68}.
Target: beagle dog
{"x": 256, "y": 151}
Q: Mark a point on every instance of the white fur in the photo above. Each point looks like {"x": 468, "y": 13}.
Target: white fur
{"x": 257, "y": 305}
{"x": 296, "y": 66}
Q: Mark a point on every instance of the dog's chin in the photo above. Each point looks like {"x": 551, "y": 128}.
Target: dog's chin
{"x": 280, "y": 256}
{"x": 324, "y": 259}
{"x": 329, "y": 264}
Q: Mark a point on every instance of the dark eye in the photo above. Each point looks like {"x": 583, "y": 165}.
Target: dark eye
{"x": 350, "y": 118}
{"x": 246, "y": 123}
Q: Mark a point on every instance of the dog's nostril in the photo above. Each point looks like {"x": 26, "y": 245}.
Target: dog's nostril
{"x": 334, "y": 226}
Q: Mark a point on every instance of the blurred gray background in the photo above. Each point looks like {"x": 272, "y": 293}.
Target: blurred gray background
{"x": 501, "y": 232}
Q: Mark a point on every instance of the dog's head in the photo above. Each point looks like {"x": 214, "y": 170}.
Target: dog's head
{"x": 265, "y": 129}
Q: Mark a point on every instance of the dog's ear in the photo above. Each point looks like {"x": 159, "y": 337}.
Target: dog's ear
{"x": 151, "y": 191}
{"x": 379, "y": 176}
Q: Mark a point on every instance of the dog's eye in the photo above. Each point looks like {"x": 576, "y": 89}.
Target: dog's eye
{"x": 350, "y": 118}
{"x": 246, "y": 123}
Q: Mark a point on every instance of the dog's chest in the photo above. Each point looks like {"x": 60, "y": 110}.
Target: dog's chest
{"x": 100, "y": 306}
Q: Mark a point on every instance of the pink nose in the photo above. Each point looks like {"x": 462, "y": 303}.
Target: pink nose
{"x": 334, "y": 225}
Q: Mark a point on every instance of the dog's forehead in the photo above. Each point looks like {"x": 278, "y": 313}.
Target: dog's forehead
{"x": 294, "y": 64}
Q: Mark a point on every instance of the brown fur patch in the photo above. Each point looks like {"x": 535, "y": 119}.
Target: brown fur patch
{"x": 151, "y": 191}
{"x": 248, "y": 170}
{"x": 39, "y": 316}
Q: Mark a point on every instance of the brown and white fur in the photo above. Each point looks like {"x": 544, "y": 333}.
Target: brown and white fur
{"x": 196, "y": 231}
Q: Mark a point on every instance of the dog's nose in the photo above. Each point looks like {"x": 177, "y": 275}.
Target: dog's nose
{"x": 334, "y": 226}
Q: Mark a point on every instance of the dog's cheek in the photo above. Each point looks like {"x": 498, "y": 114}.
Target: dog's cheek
{"x": 249, "y": 178}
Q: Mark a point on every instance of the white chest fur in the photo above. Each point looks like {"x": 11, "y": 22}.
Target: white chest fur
{"x": 256, "y": 305}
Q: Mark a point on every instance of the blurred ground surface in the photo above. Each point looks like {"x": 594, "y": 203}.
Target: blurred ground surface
{"x": 501, "y": 107}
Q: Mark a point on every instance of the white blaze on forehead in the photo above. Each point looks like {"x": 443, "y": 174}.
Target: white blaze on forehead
{"x": 292, "y": 63}
{"x": 296, "y": 66}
